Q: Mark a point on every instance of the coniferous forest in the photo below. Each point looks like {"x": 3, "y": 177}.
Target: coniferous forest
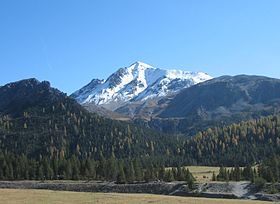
{"x": 266, "y": 171}
{"x": 46, "y": 135}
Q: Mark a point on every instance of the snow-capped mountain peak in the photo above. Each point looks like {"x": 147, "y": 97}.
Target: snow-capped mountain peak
{"x": 141, "y": 65}
{"x": 139, "y": 81}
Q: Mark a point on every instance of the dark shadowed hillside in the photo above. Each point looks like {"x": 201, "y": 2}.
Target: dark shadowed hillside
{"x": 217, "y": 102}
{"x": 41, "y": 122}
{"x": 226, "y": 95}
{"x": 36, "y": 119}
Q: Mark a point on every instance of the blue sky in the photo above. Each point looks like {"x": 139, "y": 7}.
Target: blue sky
{"x": 71, "y": 42}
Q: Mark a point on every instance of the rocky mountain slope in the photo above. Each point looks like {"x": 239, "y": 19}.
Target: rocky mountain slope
{"x": 138, "y": 82}
{"x": 218, "y": 102}
{"x": 176, "y": 101}
{"x": 226, "y": 95}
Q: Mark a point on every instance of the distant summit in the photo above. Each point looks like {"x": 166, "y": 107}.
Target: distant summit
{"x": 138, "y": 82}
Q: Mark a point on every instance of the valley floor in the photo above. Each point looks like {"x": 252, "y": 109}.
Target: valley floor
{"x": 19, "y": 196}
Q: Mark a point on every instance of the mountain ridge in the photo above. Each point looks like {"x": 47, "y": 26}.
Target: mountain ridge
{"x": 38, "y": 120}
{"x": 138, "y": 82}
{"x": 217, "y": 102}
{"x": 56, "y": 126}
{"x": 17, "y": 95}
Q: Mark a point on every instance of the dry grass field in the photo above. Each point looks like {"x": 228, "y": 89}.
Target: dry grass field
{"x": 17, "y": 196}
{"x": 203, "y": 173}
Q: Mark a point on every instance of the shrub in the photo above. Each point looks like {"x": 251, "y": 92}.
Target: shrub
{"x": 260, "y": 182}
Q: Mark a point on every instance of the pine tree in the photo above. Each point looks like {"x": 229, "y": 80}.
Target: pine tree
{"x": 90, "y": 169}
{"x": 68, "y": 170}
{"x": 75, "y": 168}
{"x": 169, "y": 176}
{"x": 138, "y": 170}
{"x": 40, "y": 173}
{"x": 2, "y": 160}
{"x": 32, "y": 169}
{"x": 130, "y": 173}
{"x": 121, "y": 176}
{"x": 214, "y": 177}
{"x": 189, "y": 179}
{"x": 111, "y": 169}
{"x": 180, "y": 175}
{"x": 161, "y": 173}
{"x": 55, "y": 167}
{"x": 100, "y": 168}
{"x": 9, "y": 172}
{"x": 238, "y": 174}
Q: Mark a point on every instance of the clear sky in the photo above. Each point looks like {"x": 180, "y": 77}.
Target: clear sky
{"x": 71, "y": 42}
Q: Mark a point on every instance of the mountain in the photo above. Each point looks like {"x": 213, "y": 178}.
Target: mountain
{"x": 91, "y": 107}
{"x": 39, "y": 121}
{"x": 218, "y": 102}
{"x": 18, "y": 96}
{"x": 226, "y": 95}
{"x": 179, "y": 102}
{"x": 138, "y": 82}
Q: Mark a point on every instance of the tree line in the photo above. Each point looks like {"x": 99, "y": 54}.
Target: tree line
{"x": 239, "y": 144}
{"x": 65, "y": 129}
{"x": 13, "y": 167}
{"x": 266, "y": 172}
{"x": 237, "y": 173}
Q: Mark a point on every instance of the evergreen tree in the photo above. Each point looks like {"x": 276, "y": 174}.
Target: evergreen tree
{"x": 190, "y": 179}
{"x": 214, "y": 177}
{"x": 90, "y": 172}
{"x": 169, "y": 176}
{"x": 138, "y": 170}
{"x": 130, "y": 173}
{"x": 40, "y": 173}
{"x": 68, "y": 170}
{"x": 75, "y": 170}
{"x": 161, "y": 173}
{"x": 121, "y": 176}
{"x": 180, "y": 174}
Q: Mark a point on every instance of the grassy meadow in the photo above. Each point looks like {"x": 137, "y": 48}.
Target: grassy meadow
{"x": 19, "y": 196}
{"x": 203, "y": 173}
